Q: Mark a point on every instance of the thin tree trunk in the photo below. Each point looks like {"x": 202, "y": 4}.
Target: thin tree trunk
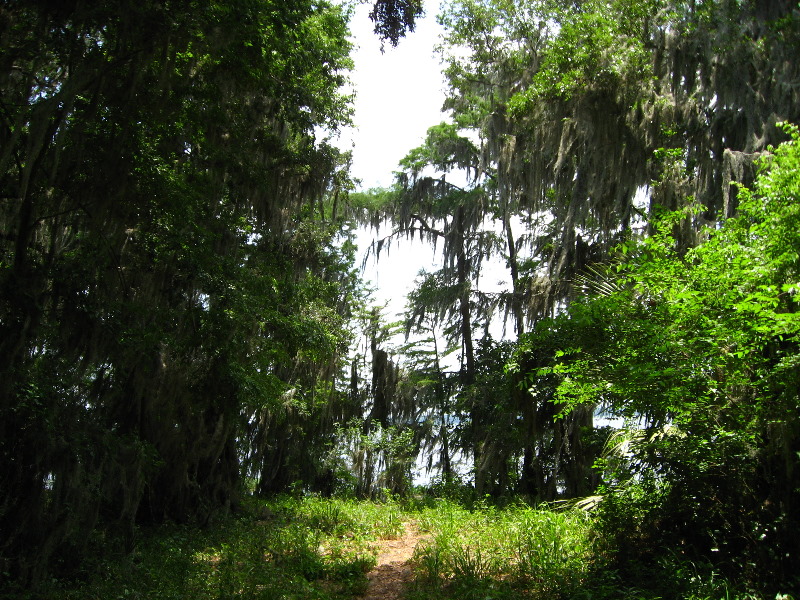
{"x": 516, "y": 294}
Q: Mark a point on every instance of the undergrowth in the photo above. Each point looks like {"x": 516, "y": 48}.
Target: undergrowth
{"x": 546, "y": 553}
{"x": 321, "y": 549}
{"x": 502, "y": 553}
{"x": 286, "y": 548}
{"x": 519, "y": 548}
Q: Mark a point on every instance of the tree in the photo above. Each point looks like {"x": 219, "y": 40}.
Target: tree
{"x": 393, "y": 18}
{"x": 451, "y": 298}
{"x": 435, "y": 388}
{"x": 160, "y": 265}
{"x": 581, "y": 122}
{"x": 377, "y": 445}
{"x": 559, "y": 447}
{"x": 701, "y": 346}
{"x": 581, "y": 107}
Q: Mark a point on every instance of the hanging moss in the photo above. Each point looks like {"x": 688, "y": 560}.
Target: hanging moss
{"x": 156, "y": 169}
{"x": 604, "y": 100}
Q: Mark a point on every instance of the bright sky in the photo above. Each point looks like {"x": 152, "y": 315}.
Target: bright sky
{"x": 399, "y": 94}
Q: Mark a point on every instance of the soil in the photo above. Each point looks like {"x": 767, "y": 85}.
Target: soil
{"x": 393, "y": 571}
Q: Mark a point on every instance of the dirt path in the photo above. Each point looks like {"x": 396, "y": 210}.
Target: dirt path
{"x": 392, "y": 572}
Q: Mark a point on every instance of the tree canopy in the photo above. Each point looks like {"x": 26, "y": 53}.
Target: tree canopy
{"x": 697, "y": 352}
{"x": 599, "y": 150}
{"x": 163, "y": 284}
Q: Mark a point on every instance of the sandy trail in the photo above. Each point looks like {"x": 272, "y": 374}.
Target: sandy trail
{"x": 393, "y": 572}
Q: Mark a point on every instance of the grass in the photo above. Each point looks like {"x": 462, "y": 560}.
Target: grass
{"x": 321, "y": 549}
{"x": 513, "y": 552}
{"x": 284, "y": 548}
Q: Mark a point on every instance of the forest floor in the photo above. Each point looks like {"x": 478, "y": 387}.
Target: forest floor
{"x": 345, "y": 549}
{"x": 393, "y": 572}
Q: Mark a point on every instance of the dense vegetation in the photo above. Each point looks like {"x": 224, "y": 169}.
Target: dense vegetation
{"x": 322, "y": 549}
{"x": 183, "y": 332}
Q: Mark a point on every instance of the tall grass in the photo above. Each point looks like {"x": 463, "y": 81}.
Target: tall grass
{"x": 346, "y": 516}
{"x": 513, "y": 551}
{"x": 288, "y": 548}
{"x": 321, "y": 549}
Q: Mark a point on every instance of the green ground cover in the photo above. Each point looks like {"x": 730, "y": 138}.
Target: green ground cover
{"x": 315, "y": 548}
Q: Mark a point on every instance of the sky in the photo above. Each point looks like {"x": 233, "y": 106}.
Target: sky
{"x": 399, "y": 94}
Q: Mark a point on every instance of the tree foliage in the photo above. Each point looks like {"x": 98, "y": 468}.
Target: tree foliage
{"x": 393, "y": 18}
{"x": 581, "y": 107}
{"x": 699, "y": 349}
{"x": 575, "y": 126}
{"x": 163, "y": 284}
{"x": 180, "y": 321}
